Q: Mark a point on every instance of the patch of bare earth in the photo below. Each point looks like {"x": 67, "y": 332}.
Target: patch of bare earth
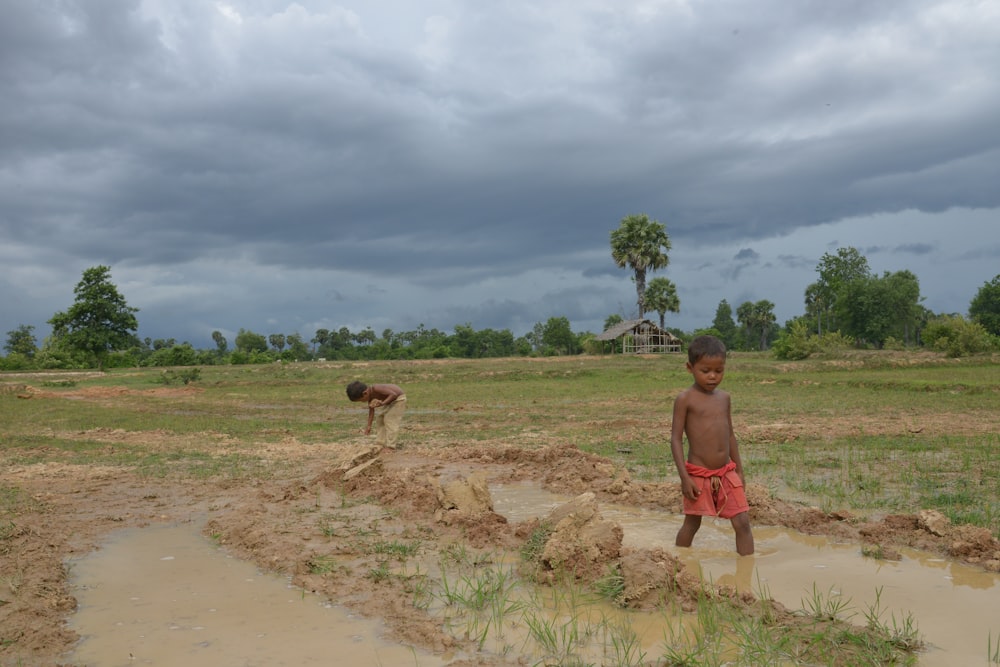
{"x": 344, "y": 498}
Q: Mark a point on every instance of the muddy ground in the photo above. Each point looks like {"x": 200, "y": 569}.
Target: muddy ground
{"x": 289, "y": 521}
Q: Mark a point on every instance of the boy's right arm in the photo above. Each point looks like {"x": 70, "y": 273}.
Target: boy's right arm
{"x": 371, "y": 418}
{"x": 688, "y": 487}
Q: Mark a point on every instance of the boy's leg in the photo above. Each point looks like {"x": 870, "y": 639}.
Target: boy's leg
{"x": 744, "y": 536}
{"x": 393, "y": 419}
{"x": 380, "y": 428}
{"x": 685, "y": 536}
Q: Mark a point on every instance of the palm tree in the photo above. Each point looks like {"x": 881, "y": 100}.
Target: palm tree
{"x": 661, "y": 296}
{"x": 641, "y": 244}
{"x": 757, "y": 319}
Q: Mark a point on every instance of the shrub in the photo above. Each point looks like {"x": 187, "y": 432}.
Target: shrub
{"x": 797, "y": 342}
{"x": 834, "y": 341}
{"x": 15, "y": 361}
{"x": 184, "y": 376}
{"x": 957, "y": 337}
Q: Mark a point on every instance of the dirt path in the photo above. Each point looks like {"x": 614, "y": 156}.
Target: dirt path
{"x": 289, "y": 524}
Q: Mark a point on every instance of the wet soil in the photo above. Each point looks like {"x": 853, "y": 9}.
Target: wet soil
{"x": 329, "y": 504}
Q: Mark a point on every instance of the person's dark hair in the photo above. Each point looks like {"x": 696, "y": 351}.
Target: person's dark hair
{"x": 356, "y": 389}
{"x": 705, "y": 346}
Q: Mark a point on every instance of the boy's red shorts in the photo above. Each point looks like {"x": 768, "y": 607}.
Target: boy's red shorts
{"x": 726, "y": 501}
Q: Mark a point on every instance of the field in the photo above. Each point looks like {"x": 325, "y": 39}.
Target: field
{"x": 891, "y": 450}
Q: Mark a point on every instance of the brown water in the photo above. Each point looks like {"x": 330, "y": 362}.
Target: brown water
{"x": 167, "y": 596}
{"x": 956, "y": 608}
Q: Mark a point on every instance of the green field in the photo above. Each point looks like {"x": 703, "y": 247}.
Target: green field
{"x": 872, "y": 432}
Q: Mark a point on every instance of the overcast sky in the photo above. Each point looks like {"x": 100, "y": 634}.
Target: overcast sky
{"x": 284, "y": 167}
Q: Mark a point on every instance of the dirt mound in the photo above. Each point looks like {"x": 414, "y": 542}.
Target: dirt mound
{"x": 581, "y": 543}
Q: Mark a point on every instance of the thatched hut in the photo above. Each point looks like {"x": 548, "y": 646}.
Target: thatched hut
{"x": 641, "y": 337}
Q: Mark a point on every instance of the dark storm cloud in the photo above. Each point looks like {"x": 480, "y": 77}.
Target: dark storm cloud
{"x": 392, "y": 162}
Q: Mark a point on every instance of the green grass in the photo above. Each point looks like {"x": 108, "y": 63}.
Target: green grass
{"x": 862, "y": 432}
{"x": 616, "y": 406}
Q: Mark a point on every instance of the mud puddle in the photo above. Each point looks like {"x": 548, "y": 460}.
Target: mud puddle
{"x": 956, "y": 608}
{"x": 167, "y": 596}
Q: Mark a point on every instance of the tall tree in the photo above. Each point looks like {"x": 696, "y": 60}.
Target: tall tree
{"x": 758, "y": 320}
{"x": 661, "y": 296}
{"x": 220, "y": 342}
{"x": 535, "y": 336}
{"x": 99, "y": 321}
{"x": 835, "y": 272}
{"x": 22, "y": 341}
{"x": 611, "y": 320}
{"x": 873, "y": 308}
{"x": 725, "y": 325}
{"x": 642, "y": 245}
{"x": 320, "y": 339}
{"x": 985, "y": 306}
{"x": 366, "y": 336}
{"x": 249, "y": 342}
{"x": 817, "y": 303}
{"x": 558, "y": 335}
{"x": 903, "y": 295}
{"x": 297, "y": 347}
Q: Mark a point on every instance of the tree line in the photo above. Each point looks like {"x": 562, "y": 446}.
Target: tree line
{"x": 848, "y": 305}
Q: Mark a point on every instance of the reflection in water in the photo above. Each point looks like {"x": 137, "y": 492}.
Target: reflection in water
{"x": 790, "y": 567}
{"x": 742, "y": 578}
{"x": 166, "y": 596}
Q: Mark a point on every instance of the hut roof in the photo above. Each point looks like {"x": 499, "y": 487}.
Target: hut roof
{"x": 629, "y": 326}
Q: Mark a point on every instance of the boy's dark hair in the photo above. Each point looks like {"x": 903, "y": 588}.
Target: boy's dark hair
{"x": 705, "y": 346}
{"x": 356, "y": 389}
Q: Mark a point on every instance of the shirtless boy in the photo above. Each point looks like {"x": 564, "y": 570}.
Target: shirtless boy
{"x": 712, "y": 475}
{"x": 388, "y": 402}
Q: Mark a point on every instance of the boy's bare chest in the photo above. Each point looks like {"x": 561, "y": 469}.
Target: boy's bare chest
{"x": 708, "y": 408}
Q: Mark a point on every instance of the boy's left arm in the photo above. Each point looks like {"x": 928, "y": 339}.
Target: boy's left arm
{"x": 734, "y": 448}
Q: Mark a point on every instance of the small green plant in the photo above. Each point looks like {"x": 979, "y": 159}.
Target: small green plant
{"x": 827, "y": 607}
{"x": 531, "y": 551}
{"x": 900, "y": 633}
{"x": 993, "y": 651}
{"x": 612, "y": 585}
{"x": 380, "y": 573}
{"x": 626, "y": 647}
{"x": 556, "y": 639}
{"x": 873, "y": 551}
{"x": 322, "y": 564}
{"x": 400, "y": 550}
{"x": 8, "y": 529}
{"x": 419, "y": 587}
{"x": 59, "y": 383}
{"x": 456, "y": 553}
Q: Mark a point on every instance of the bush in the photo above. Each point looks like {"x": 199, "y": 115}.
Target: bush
{"x": 185, "y": 376}
{"x": 957, "y": 337}
{"x": 16, "y": 361}
{"x": 797, "y": 342}
{"x": 56, "y": 358}
{"x": 176, "y": 355}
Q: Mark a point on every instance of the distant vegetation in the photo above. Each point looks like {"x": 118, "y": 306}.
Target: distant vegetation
{"x": 848, "y": 307}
